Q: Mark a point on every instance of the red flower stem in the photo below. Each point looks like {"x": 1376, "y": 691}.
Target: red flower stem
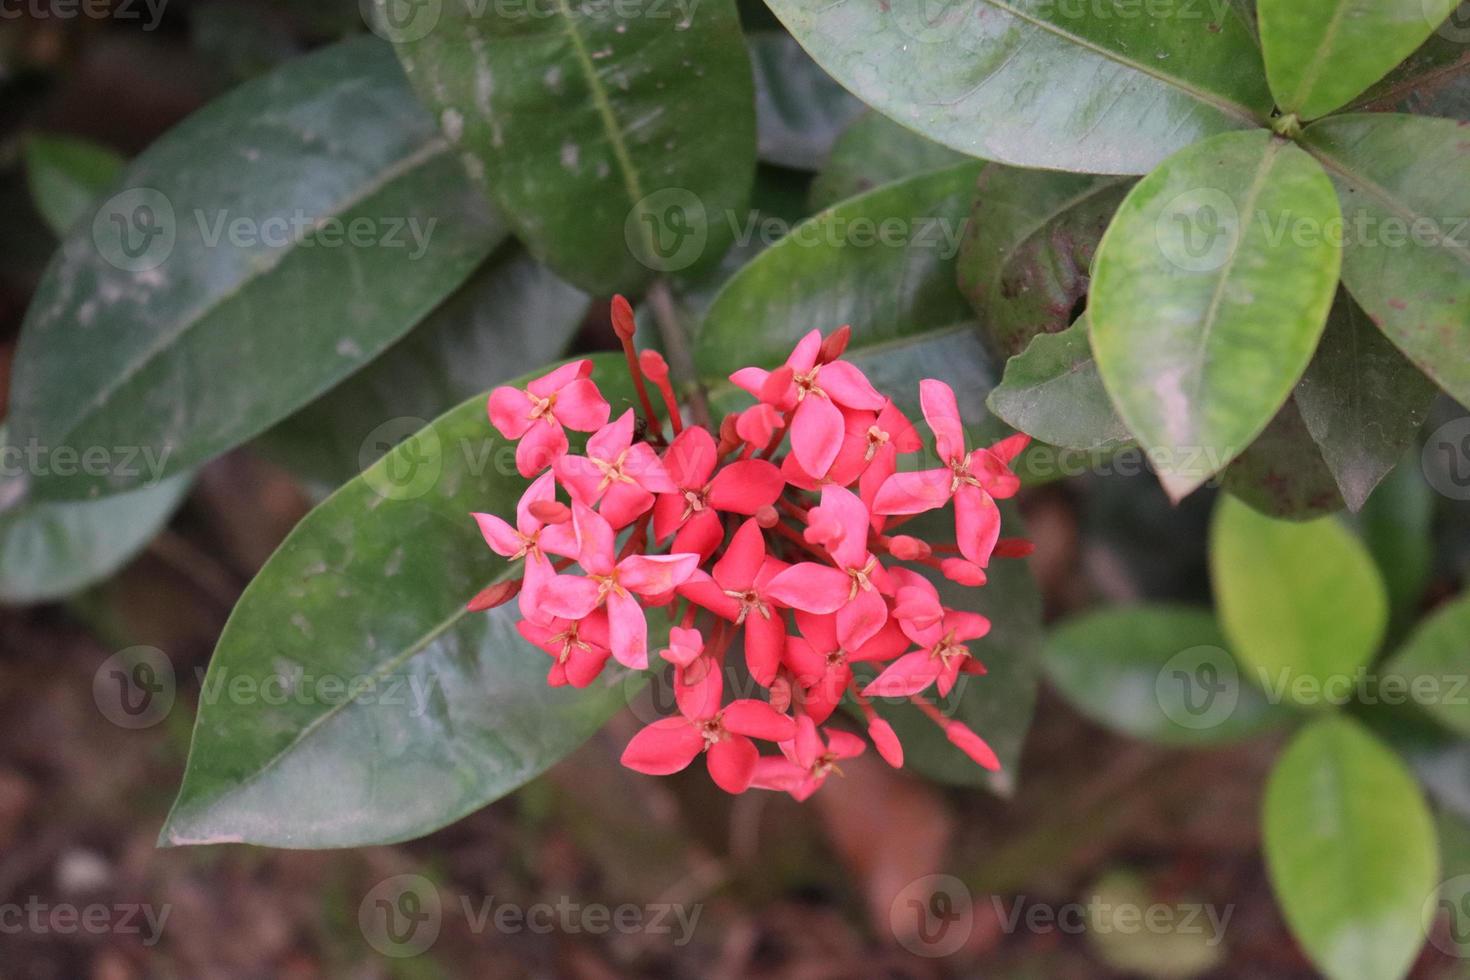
{"x": 671, "y": 405}
{"x": 792, "y": 509}
{"x": 786, "y": 531}
{"x": 636, "y": 372}
{"x": 933, "y": 713}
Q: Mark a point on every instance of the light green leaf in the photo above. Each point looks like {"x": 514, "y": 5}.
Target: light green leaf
{"x": 66, "y": 176}
{"x": 1053, "y": 393}
{"x": 1351, "y": 849}
{"x": 511, "y": 316}
{"x": 1033, "y": 83}
{"x": 406, "y": 712}
{"x": 1282, "y": 474}
{"x": 262, "y": 251}
{"x": 1158, "y": 672}
{"x": 1027, "y": 258}
{"x": 1321, "y": 54}
{"x": 1433, "y": 665}
{"x": 874, "y": 151}
{"x": 1211, "y": 291}
{"x": 618, "y": 140}
{"x": 799, "y": 111}
{"x": 1302, "y": 605}
{"x": 1405, "y": 197}
{"x": 1434, "y": 81}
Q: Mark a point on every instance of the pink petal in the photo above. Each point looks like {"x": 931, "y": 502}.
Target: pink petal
{"x": 731, "y": 763}
{"x": 977, "y": 524}
{"x": 691, "y": 458}
{"x": 888, "y": 643}
{"x": 757, "y": 424}
{"x": 758, "y": 719}
{"x": 947, "y": 676}
{"x": 542, "y": 445}
{"x": 746, "y": 486}
{"x": 807, "y": 746}
{"x": 667, "y": 746}
{"x": 685, "y": 646}
{"x": 963, "y": 572}
{"x": 820, "y": 630}
{"x": 580, "y": 406}
{"x": 644, "y": 466}
{"x": 538, "y": 573}
{"x": 668, "y": 513}
{"x": 913, "y": 492}
{"x": 994, "y": 475}
{"x": 804, "y": 357}
{"x": 510, "y": 412}
{"x": 707, "y": 594}
{"x": 654, "y": 574}
{"x": 943, "y": 414}
{"x": 500, "y": 536}
{"x": 701, "y": 536}
{"x": 581, "y": 477}
{"x": 848, "y": 386}
{"x": 623, "y": 503}
{"x": 1010, "y": 447}
{"x": 750, "y": 379}
{"x": 781, "y": 775}
{"x": 845, "y": 745}
{"x": 699, "y": 689}
{"x": 812, "y": 587}
{"x": 595, "y": 540}
{"x": 804, "y": 660}
{"x": 560, "y": 540}
{"x": 737, "y": 569}
{"x": 907, "y": 675}
{"x": 612, "y": 438}
{"x": 765, "y": 640}
{"x": 861, "y": 619}
{"x": 569, "y": 596}
{"x": 559, "y": 378}
{"x": 965, "y": 625}
{"x": 886, "y": 741}
{"x": 629, "y": 630}
{"x": 816, "y": 434}
{"x": 585, "y": 666}
{"x": 845, "y": 507}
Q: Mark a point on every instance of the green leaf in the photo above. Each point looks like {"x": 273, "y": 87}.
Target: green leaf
{"x": 1351, "y": 849}
{"x": 1362, "y": 401}
{"x": 1433, "y": 662}
{"x": 1321, "y": 54}
{"x": 1405, "y": 195}
{"x": 882, "y": 262}
{"x": 1282, "y": 474}
{"x": 617, "y": 140}
{"x": 1027, "y": 258}
{"x": 874, "y": 151}
{"x": 799, "y": 111}
{"x": 252, "y": 293}
{"x": 511, "y": 316}
{"x": 66, "y": 176}
{"x": 450, "y": 709}
{"x": 1038, "y": 84}
{"x": 1053, "y": 393}
{"x": 1396, "y": 527}
{"x": 1211, "y": 291}
{"x": 1157, "y": 672}
{"x": 1302, "y": 604}
{"x": 1434, "y": 81}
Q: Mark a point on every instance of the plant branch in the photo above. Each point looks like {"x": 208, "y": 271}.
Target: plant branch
{"x": 676, "y": 345}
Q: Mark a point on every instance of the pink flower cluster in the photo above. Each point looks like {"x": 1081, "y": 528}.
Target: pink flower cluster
{"x": 730, "y": 537}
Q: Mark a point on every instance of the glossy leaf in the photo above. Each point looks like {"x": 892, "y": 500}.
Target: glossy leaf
{"x": 1038, "y": 84}
{"x": 66, "y": 176}
{"x": 1434, "y": 668}
{"x": 799, "y": 110}
{"x": 1211, "y": 291}
{"x": 1361, "y": 401}
{"x": 1351, "y": 849}
{"x": 1433, "y": 81}
{"x": 1053, "y": 393}
{"x": 1302, "y": 605}
{"x": 1157, "y": 672}
{"x": 1027, "y": 258}
{"x": 874, "y": 151}
{"x": 513, "y": 315}
{"x": 617, "y": 140}
{"x": 221, "y": 290}
{"x": 1321, "y": 54}
{"x": 1282, "y": 474}
{"x": 1407, "y": 255}
{"x": 407, "y": 712}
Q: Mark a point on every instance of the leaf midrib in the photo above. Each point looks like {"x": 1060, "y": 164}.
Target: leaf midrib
{"x": 1319, "y": 59}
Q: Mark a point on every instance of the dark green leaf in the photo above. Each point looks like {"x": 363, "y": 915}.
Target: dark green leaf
{"x": 1038, "y": 84}
{"x": 1405, "y": 197}
{"x": 1434, "y": 665}
{"x": 1321, "y": 54}
{"x": 874, "y": 151}
{"x": 1282, "y": 474}
{"x": 263, "y": 251}
{"x": 1395, "y": 525}
{"x": 1302, "y": 604}
{"x": 618, "y": 141}
{"x": 1361, "y": 401}
{"x": 1434, "y": 81}
{"x": 1160, "y": 673}
{"x": 512, "y": 315}
{"x": 1351, "y": 848}
{"x": 1028, "y": 250}
{"x": 66, "y": 176}
{"x": 448, "y": 709}
{"x": 1053, "y": 393}
{"x": 799, "y": 111}
{"x": 1211, "y": 290}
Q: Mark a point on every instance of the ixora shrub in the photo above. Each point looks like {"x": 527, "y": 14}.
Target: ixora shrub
{"x": 1229, "y": 239}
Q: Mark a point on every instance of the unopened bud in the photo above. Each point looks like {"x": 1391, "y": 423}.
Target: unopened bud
{"x": 655, "y": 368}
{"x": 551, "y": 512}
{"x": 905, "y": 548}
{"x": 729, "y": 434}
{"x": 886, "y": 741}
{"x": 496, "y": 595}
{"x": 767, "y": 517}
{"x": 1014, "y": 548}
{"x": 962, "y": 571}
{"x": 622, "y": 319}
{"x": 972, "y": 745}
{"x": 835, "y": 345}
{"x": 781, "y": 693}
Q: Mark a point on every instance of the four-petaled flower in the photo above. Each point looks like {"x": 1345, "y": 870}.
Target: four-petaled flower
{"x": 565, "y": 397}
{"x": 692, "y": 510}
{"x": 620, "y": 473}
{"x": 530, "y": 539}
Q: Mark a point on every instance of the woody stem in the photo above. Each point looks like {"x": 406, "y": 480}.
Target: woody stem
{"x": 676, "y": 346}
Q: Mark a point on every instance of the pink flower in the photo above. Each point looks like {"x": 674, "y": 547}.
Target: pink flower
{"x": 974, "y": 481}
{"x": 530, "y": 539}
{"x": 823, "y": 667}
{"x": 723, "y": 734}
{"x": 854, "y": 588}
{"x": 578, "y": 647}
{"x": 698, "y": 687}
{"x": 814, "y": 391}
{"x": 740, "y": 592}
{"x": 941, "y": 632}
{"x": 741, "y": 487}
{"x": 565, "y": 397}
{"x": 613, "y": 583}
{"x": 806, "y": 760}
{"x": 620, "y": 473}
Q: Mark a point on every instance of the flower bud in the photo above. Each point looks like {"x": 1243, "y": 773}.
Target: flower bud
{"x": 655, "y": 368}
{"x": 962, "y": 571}
{"x": 622, "y": 319}
{"x": 886, "y": 741}
{"x": 835, "y": 345}
{"x": 972, "y": 745}
{"x": 767, "y": 517}
{"x": 496, "y": 595}
{"x": 905, "y": 548}
{"x": 551, "y": 512}
{"x": 729, "y": 434}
